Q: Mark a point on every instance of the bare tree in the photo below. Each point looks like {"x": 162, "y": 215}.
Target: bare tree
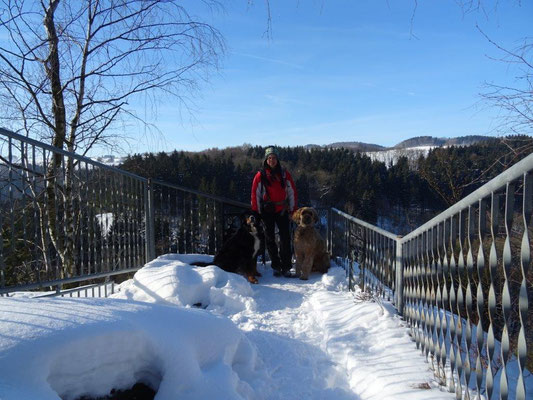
{"x": 516, "y": 101}
{"x": 69, "y": 71}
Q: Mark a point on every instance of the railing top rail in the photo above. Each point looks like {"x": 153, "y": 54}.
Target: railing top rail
{"x": 57, "y": 282}
{"x": 88, "y": 160}
{"x": 509, "y": 175}
{"x": 366, "y": 224}
{"x": 54, "y": 149}
{"x": 209, "y": 196}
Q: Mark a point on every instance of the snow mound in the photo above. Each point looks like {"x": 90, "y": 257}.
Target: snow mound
{"x": 334, "y": 280}
{"x": 170, "y": 279}
{"x": 67, "y": 348}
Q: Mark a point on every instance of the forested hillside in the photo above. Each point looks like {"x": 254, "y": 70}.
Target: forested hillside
{"x": 396, "y": 197}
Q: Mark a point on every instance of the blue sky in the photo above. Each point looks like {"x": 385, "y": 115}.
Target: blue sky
{"x": 346, "y": 70}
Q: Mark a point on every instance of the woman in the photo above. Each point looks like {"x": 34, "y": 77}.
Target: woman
{"x": 274, "y": 197}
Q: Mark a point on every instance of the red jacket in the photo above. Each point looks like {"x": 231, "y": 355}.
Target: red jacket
{"x": 274, "y": 191}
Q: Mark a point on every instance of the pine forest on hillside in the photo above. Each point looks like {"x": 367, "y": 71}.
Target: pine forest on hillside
{"x": 396, "y": 197}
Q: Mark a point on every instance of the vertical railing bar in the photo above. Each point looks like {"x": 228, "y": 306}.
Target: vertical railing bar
{"x": 89, "y": 218}
{"x": 79, "y": 210}
{"x": 10, "y": 194}
{"x": 137, "y": 215}
{"x": 36, "y": 222}
{"x": 75, "y": 198}
{"x": 101, "y": 200}
{"x": 480, "y": 297}
{"x": 493, "y": 260}
{"x": 198, "y": 215}
{"x": 417, "y": 294}
{"x": 424, "y": 293}
{"x": 2, "y": 260}
{"x": 399, "y": 293}
{"x": 60, "y": 197}
{"x": 191, "y": 223}
{"x": 506, "y": 290}
{"x": 432, "y": 297}
{"x": 58, "y": 259}
{"x": 166, "y": 236}
{"x": 101, "y": 259}
{"x": 433, "y": 307}
{"x": 523, "y": 302}
{"x": 125, "y": 200}
{"x": 426, "y": 317}
{"x": 150, "y": 225}
{"x": 115, "y": 228}
{"x": 121, "y": 197}
{"x": 408, "y": 292}
{"x": 180, "y": 205}
{"x": 461, "y": 355}
{"x": 346, "y": 250}
{"x": 23, "y": 200}
{"x": 453, "y": 305}
{"x": 160, "y": 217}
{"x": 129, "y": 217}
{"x": 46, "y": 217}
{"x": 469, "y": 300}
{"x": 141, "y": 227}
{"x": 440, "y": 308}
{"x": 135, "y": 223}
{"x": 214, "y": 221}
{"x": 446, "y": 332}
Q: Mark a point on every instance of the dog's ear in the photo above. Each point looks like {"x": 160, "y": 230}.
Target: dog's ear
{"x": 315, "y": 216}
{"x": 296, "y": 215}
{"x": 244, "y": 217}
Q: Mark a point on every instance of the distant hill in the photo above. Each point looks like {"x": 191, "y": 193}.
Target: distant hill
{"x": 467, "y": 140}
{"x": 356, "y": 146}
{"x": 438, "y": 142}
{"x": 419, "y": 141}
{"x": 411, "y": 148}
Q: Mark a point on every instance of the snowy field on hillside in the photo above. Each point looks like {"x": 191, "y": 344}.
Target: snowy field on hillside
{"x": 199, "y": 333}
{"x": 391, "y": 156}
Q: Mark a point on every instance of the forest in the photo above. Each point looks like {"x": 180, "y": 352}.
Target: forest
{"x": 397, "y": 197}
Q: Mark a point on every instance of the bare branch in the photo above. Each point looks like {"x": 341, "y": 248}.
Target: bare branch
{"x": 94, "y": 58}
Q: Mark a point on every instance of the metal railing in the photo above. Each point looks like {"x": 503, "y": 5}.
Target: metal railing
{"x": 66, "y": 219}
{"x": 373, "y": 249}
{"x": 462, "y": 281}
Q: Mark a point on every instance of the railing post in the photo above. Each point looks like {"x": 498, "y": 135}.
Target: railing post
{"x": 398, "y": 296}
{"x": 150, "y": 221}
{"x": 330, "y": 232}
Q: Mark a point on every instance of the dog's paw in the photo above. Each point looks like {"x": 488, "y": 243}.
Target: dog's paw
{"x": 303, "y": 278}
{"x": 252, "y": 279}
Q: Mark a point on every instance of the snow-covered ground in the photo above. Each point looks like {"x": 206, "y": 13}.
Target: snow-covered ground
{"x": 202, "y": 333}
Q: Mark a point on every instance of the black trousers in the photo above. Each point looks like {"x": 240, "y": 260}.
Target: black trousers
{"x": 281, "y": 260}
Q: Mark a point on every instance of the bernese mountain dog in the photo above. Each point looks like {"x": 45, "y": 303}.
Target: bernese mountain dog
{"x": 239, "y": 253}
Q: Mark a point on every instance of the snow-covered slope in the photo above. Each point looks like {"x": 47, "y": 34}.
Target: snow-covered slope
{"x": 391, "y": 156}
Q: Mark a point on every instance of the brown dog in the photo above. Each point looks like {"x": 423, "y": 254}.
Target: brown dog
{"x": 309, "y": 248}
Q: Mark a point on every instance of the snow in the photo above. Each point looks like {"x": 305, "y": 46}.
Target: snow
{"x": 105, "y": 220}
{"x": 391, "y": 156}
{"x": 195, "y": 333}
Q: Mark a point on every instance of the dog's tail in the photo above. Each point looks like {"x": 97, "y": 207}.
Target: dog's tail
{"x": 201, "y": 263}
